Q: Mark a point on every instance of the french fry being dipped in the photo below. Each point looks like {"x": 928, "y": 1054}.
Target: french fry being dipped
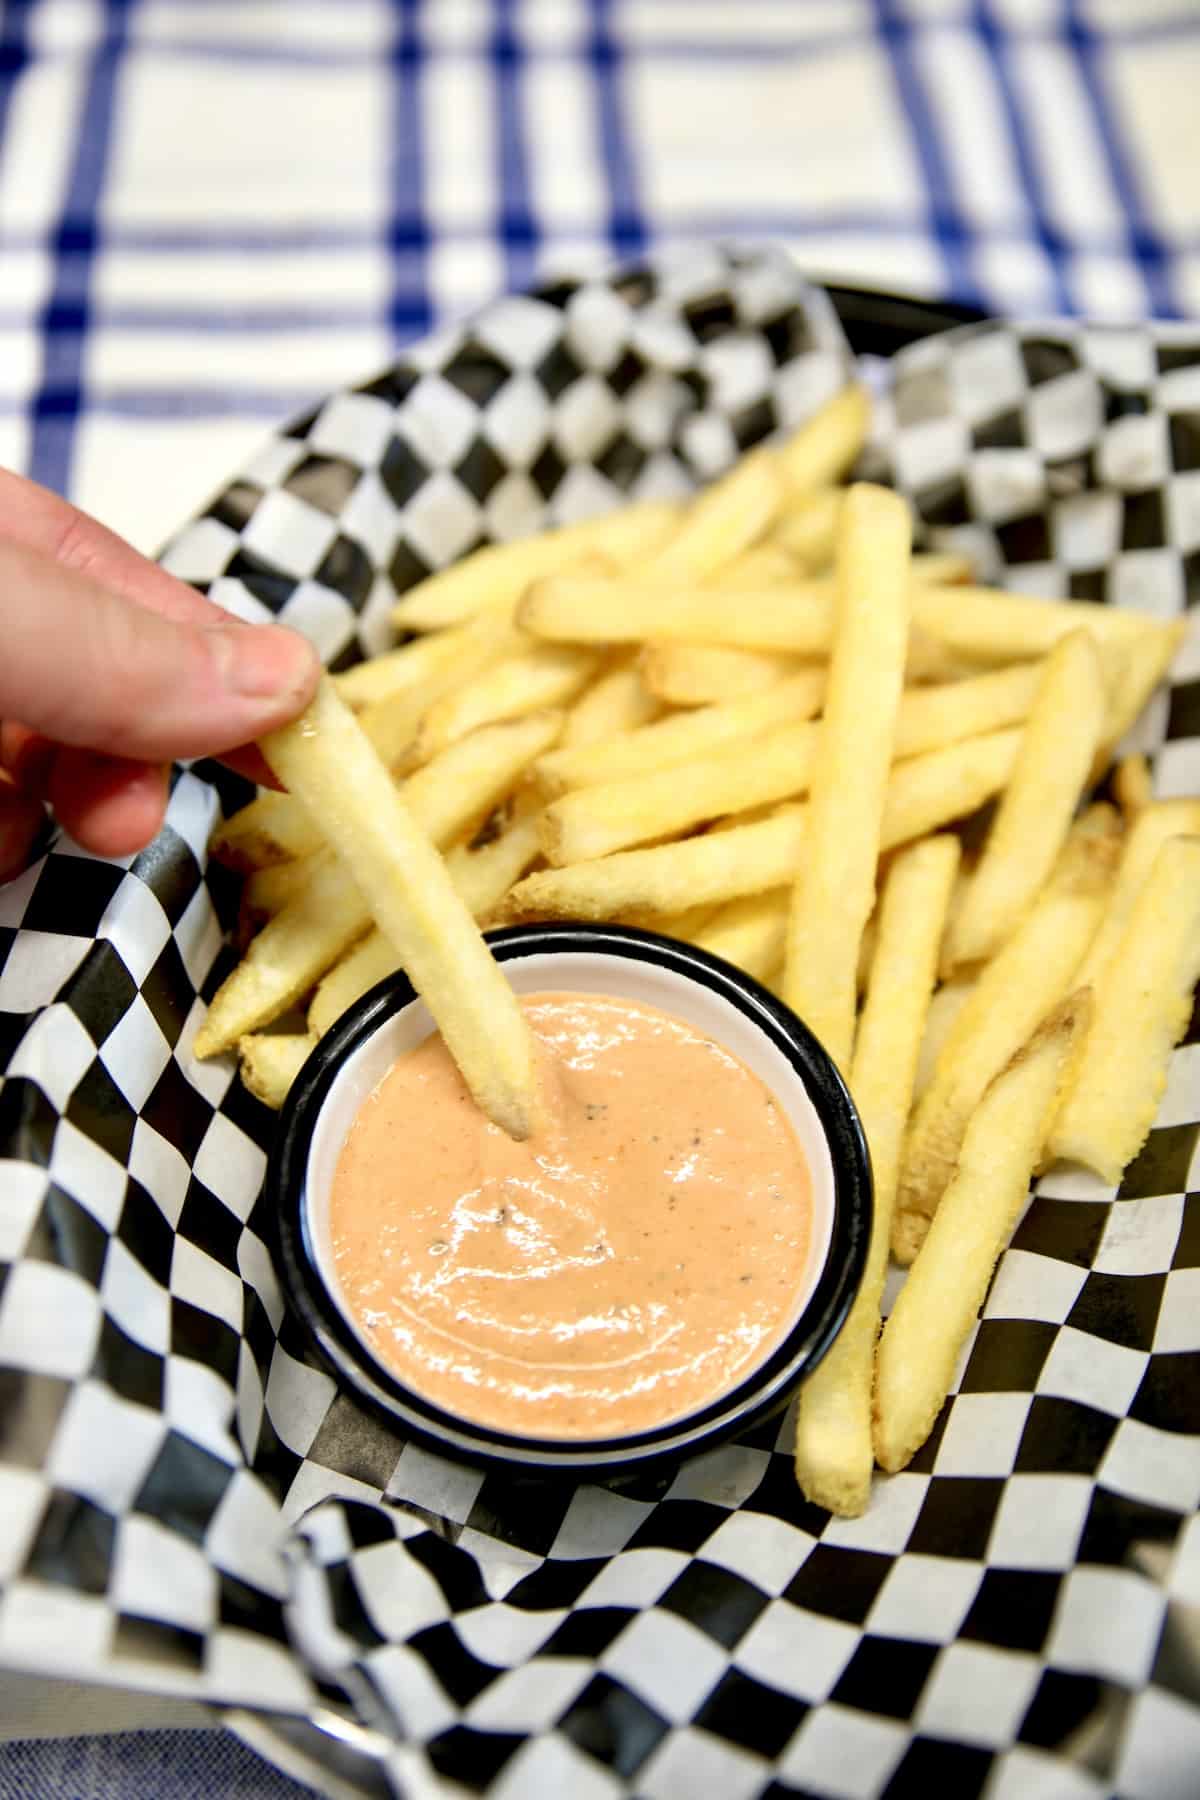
{"x": 324, "y": 759}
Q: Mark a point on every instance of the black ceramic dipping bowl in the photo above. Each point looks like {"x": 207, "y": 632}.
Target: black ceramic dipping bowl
{"x": 709, "y": 994}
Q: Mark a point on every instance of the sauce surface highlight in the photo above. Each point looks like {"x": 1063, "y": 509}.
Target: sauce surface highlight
{"x": 631, "y": 1262}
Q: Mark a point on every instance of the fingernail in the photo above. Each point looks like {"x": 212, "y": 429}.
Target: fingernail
{"x": 267, "y": 662}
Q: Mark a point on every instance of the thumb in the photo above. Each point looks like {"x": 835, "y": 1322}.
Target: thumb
{"x": 86, "y": 667}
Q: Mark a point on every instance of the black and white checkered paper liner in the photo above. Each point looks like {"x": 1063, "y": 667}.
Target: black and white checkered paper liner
{"x": 190, "y": 1505}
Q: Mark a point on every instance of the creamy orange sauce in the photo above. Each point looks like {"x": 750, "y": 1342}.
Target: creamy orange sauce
{"x": 631, "y": 1262}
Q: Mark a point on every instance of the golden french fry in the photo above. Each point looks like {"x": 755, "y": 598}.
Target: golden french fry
{"x": 1013, "y": 993}
{"x": 290, "y": 952}
{"x": 722, "y": 522}
{"x": 976, "y": 625}
{"x": 924, "y": 793}
{"x": 931, "y": 717}
{"x": 268, "y": 1064}
{"x": 1149, "y": 832}
{"x": 941, "y": 568}
{"x": 944, "y": 1009}
{"x": 579, "y": 609}
{"x": 682, "y": 925}
{"x": 929, "y": 660}
{"x": 989, "y": 625}
{"x": 617, "y": 701}
{"x": 481, "y": 877}
{"x": 427, "y": 664}
{"x": 750, "y": 932}
{"x": 325, "y": 759}
{"x": 709, "y": 674}
{"x": 495, "y": 577}
{"x": 1034, "y": 815}
{"x": 268, "y": 890}
{"x": 393, "y": 721}
{"x": 835, "y": 885}
{"x": 595, "y": 821}
{"x": 826, "y": 447}
{"x": 273, "y": 828}
{"x": 294, "y": 949}
{"x": 686, "y": 738}
{"x": 1143, "y": 1000}
{"x": 938, "y": 1303}
{"x": 534, "y": 679}
{"x": 761, "y": 566}
{"x": 834, "y": 1454}
{"x": 1139, "y": 667}
{"x": 371, "y": 960}
{"x": 1133, "y": 789}
{"x": 808, "y": 531}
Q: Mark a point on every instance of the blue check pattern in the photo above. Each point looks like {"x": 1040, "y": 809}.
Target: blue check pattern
{"x": 213, "y": 211}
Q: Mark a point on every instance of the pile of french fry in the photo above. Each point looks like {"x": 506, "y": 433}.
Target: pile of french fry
{"x": 759, "y": 722}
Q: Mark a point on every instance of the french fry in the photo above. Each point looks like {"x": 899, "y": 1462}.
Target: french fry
{"x": 682, "y": 739}
{"x": 495, "y": 577}
{"x": 1034, "y": 815}
{"x": 722, "y": 865}
{"x": 579, "y": 609}
{"x": 923, "y": 794}
{"x": 1149, "y": 832}
{"x": 1022, "y": 983}
{"x": 268, "y": 890}
{"x": 481, "y": 877}
{"x": 294, "y": 949}
{"x": 761, "y": 566}
{"x": 944, "y": 1009}
{"x": 826, "y": 447}
{"x": 617, "y": 701}
{"x": 710, "y": 674}
{"x": 532, "y": 680}
{"x": 273, "y": 828}
{"x": 325, "y": 759}
{"x": 931, "y": 717}
{"x": 834, "y": 1453}
{"x": 1141, "y": 664}
{"x": 940, "y": 568}
{"x": 595, "y": 821}
{"x": 269, "y": 1064}
{"x": 835, "y": 885}
{"x": 456, "y": 790}
{"x": 808, "y": 531}
{"x": 723, "y": 521}
{"x": 426, "y": 664}
{"x": 1133, "y": 789}
{"x": 1143, "y": 1004}
{"x": 988, "y": 625}
{"x": 484, "y": 874}
{"x": 750, "y": 932}
{"x": 290, "y": 953}
{"x": 371, "y": 960}
{"x": 946, "y": 1286}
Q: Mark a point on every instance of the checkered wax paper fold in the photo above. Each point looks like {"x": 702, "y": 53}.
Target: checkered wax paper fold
{"x": 190, "y": 1505}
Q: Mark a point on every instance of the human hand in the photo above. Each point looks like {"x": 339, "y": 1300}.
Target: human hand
{"x": 110, "y": 669}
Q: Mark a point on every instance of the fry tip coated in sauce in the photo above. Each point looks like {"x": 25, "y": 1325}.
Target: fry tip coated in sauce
{"x": 631, "y": 1262}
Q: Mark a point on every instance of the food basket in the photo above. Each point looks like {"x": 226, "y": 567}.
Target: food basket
{"x": 190, "y": 1505}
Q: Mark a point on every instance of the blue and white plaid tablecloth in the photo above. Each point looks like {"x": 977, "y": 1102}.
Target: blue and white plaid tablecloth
{"x": 214, "y": 211}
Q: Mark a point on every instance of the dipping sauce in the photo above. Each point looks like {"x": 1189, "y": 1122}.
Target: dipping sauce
{"x": 632, "y": 1261}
